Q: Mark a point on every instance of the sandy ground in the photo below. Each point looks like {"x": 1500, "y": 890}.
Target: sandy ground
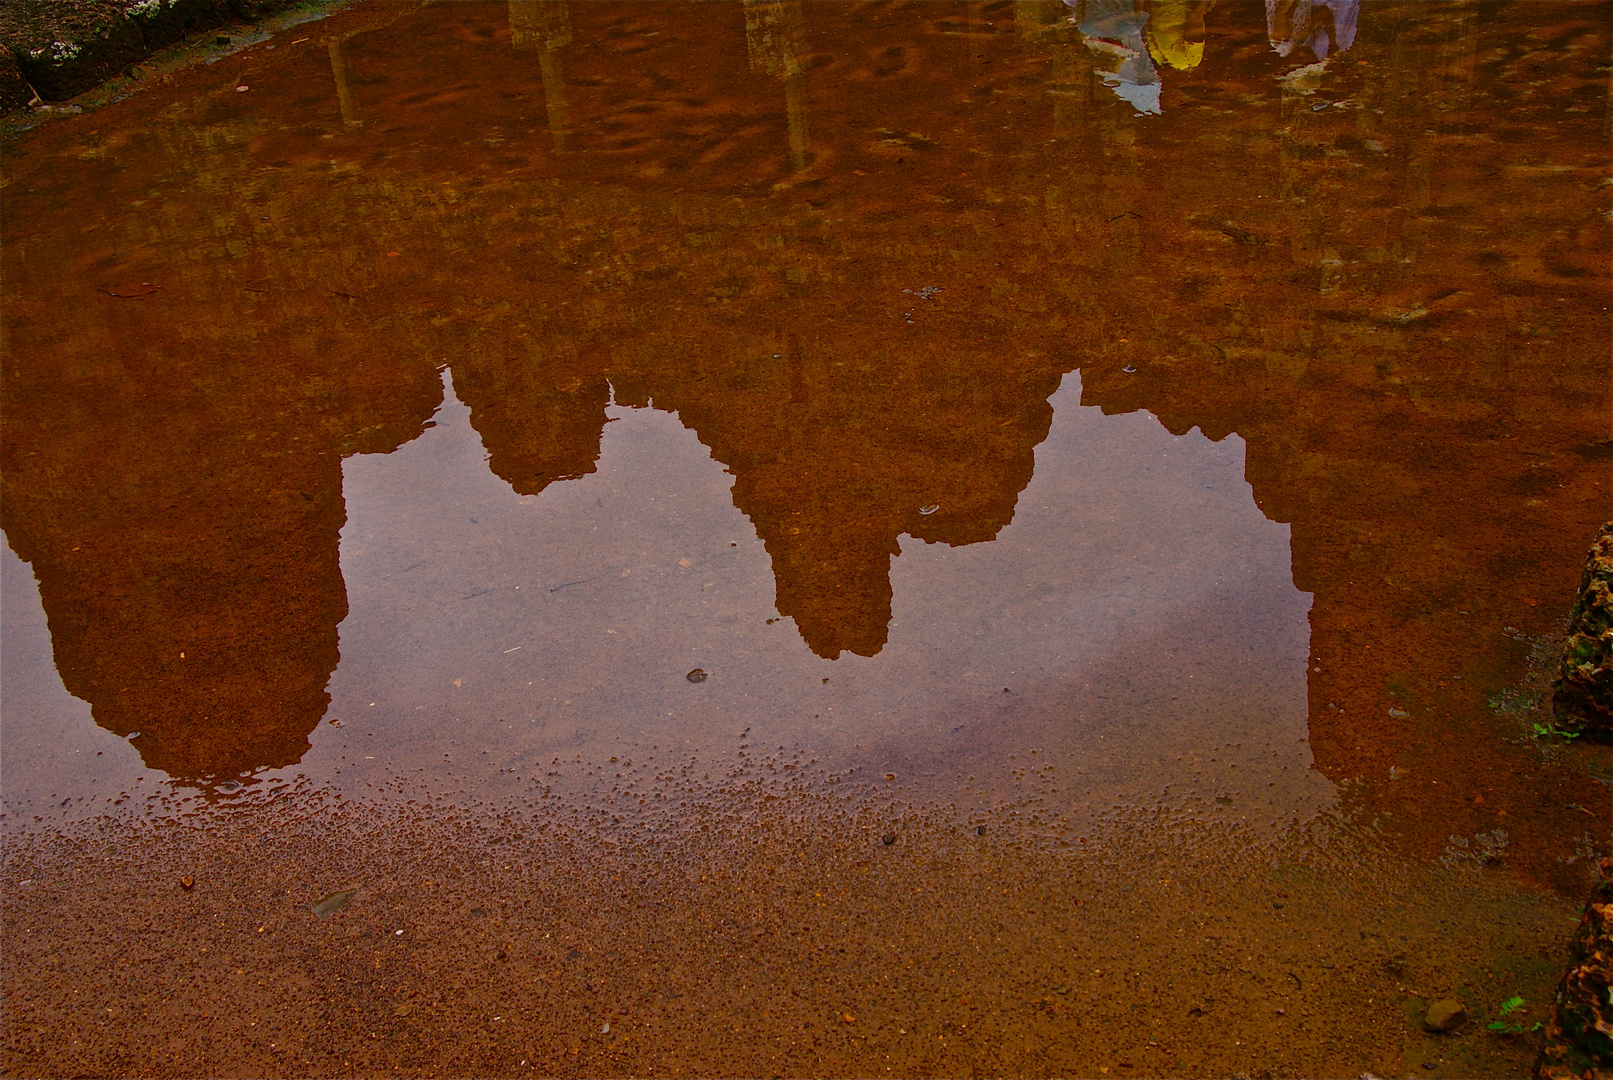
{"x": 768, "y": 935}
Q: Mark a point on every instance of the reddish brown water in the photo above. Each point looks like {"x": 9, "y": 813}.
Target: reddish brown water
{"x": 1161, "y": 448}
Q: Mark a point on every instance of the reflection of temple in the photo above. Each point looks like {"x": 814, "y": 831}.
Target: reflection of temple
{"x": 874, "y": 338}
{"x": 838, "y": 447}
{"x": 176, "y": 485}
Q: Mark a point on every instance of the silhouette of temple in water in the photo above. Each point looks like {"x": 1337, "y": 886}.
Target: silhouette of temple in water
{"x": 860, "y": 301}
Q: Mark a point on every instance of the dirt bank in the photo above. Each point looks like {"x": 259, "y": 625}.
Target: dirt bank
{"x": 52, "y": 50}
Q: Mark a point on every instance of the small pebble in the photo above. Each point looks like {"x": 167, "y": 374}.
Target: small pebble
{"x": 187, "y": 883}
{"x": 890, "y": 838}
{"x": 696, "y": 675}
{"x": 1447, "y": 1014}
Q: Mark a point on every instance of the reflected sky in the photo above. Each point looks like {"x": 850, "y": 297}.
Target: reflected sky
{"x": 566, "y": 623}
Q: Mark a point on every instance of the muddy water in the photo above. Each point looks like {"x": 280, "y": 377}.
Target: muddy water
{"x": 805, "y": 539}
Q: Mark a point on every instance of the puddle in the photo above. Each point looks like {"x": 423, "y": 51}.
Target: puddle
{"x": 611, "y": 538}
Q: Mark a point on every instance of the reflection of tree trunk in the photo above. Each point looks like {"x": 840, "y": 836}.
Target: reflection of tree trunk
{"x": 343, "y": 94}
{"x": 773, "y": 41}
{"x": 545, "y": 25}
{"x": 1035, "y": 19}
{"x": 539, "y": 24}
{"x": 795, "y": 108}
{"x": 554, "y": 97}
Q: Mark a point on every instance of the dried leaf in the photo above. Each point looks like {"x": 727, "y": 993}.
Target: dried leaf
{"x": 333, "y": 903}
{"x": 130, "y": 289}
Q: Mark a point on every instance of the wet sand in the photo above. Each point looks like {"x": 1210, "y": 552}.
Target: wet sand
{"x": 764, "y": 935}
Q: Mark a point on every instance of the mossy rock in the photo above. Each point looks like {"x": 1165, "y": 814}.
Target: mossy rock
{"x": 1578, "y": 1026}
{"x": 1582, "y": 696}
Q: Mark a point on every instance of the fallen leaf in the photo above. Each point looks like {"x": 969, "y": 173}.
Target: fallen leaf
{"x": 130, "y": 289}
{"x": 333, "y": 902}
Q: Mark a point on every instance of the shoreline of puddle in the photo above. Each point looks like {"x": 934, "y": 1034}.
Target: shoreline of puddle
{"x": 745, "y": 935}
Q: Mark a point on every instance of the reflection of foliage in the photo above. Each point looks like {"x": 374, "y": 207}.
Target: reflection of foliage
{"x": 1528, "y": 701}
{"x": 1516, "y": 703}
{"x": 1484, "y": 849}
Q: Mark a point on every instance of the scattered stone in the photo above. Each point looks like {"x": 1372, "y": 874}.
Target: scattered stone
{"x": 187, "y": 883}
{"x": 980, "y": 831}
{"x": 1582, "y": 695}
{"x": 1447, "y": 1014}
{"x": 889, "y": 838}
{"x": 1579, "y": 1025}
{"x": 697, "y": 675}
{"x": 403, "y": 1010}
